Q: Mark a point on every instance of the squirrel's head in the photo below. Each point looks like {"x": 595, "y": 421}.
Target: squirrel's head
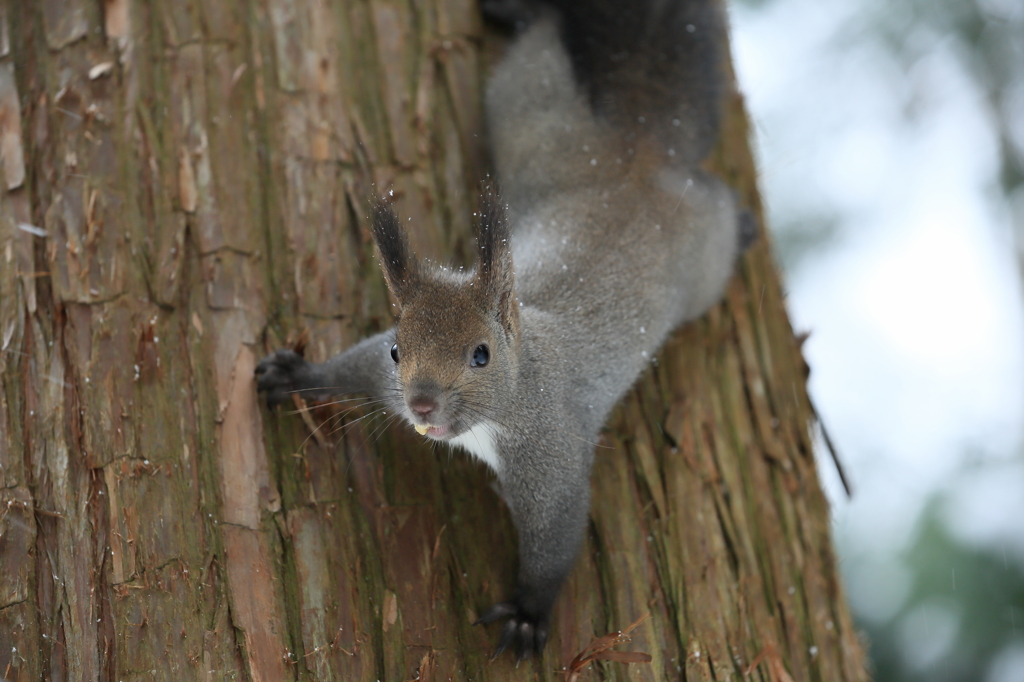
{"x": 457, "y": 338}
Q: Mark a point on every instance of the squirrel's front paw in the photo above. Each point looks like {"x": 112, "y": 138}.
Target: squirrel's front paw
{"x": 527, "y": 631}
{"x": 281, "y": 374}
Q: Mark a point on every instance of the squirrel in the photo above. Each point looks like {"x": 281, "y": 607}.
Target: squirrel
{"x": 608, "y": 235}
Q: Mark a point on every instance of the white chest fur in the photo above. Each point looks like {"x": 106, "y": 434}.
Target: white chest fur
{"x": 479, "y": 441}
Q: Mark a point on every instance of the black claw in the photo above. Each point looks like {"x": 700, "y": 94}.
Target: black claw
{"x": 540, "y": 638}
{"x": 501, "y": 610}
{"x": 524, "y": 641}
{"x": 508, "y": 633}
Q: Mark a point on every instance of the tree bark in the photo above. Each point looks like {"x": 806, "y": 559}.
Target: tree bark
{"x": 184, "y": 187}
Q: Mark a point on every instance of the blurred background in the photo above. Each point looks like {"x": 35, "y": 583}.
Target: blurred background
{"x": 890, "y": 136}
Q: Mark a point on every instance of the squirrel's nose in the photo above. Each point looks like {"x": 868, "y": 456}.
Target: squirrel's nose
{"x": 422, "y": 405}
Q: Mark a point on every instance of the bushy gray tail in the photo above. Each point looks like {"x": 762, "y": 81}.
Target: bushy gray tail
{"x": 654, "y": 66}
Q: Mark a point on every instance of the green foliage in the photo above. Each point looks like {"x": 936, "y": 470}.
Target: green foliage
{"x": 964, "y": 607}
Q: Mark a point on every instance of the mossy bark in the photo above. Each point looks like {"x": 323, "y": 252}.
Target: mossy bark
{"x": 184, "y": 187}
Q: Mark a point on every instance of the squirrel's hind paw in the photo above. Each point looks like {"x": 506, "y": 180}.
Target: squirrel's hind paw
{"x": 528, "y": 633}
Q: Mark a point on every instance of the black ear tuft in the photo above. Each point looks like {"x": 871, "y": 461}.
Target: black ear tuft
{"x": 396, "y": 260}
{"x": 494, "y": 251}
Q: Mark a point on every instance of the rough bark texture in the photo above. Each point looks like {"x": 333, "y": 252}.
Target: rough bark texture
{"x": 184, "y": 185}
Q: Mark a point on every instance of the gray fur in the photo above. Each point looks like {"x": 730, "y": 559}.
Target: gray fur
{"x": 615, "y": 243}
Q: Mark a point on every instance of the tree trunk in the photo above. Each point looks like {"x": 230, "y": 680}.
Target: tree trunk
{"x": 184, "y": 187}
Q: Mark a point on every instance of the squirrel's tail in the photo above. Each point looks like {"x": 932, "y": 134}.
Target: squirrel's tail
{"x": 651, "y": 66}
{"x": 597, "y": 88}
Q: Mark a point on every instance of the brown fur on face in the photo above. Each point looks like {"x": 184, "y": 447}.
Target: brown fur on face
{"x": 445, "y": 317}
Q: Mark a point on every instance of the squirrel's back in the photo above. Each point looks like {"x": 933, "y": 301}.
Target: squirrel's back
{"x": 599, "y": 117}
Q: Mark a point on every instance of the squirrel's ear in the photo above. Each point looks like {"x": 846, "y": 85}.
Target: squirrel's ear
{"x": 494, "y": 272}
{"x": 396, "y": 260}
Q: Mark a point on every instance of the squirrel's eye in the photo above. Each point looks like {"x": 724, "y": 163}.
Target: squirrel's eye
{"x": 394, "y": 352}
{"x": 480, "y": 356}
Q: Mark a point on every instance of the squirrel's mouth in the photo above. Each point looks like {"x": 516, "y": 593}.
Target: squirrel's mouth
{"x": 432, "y": 431}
